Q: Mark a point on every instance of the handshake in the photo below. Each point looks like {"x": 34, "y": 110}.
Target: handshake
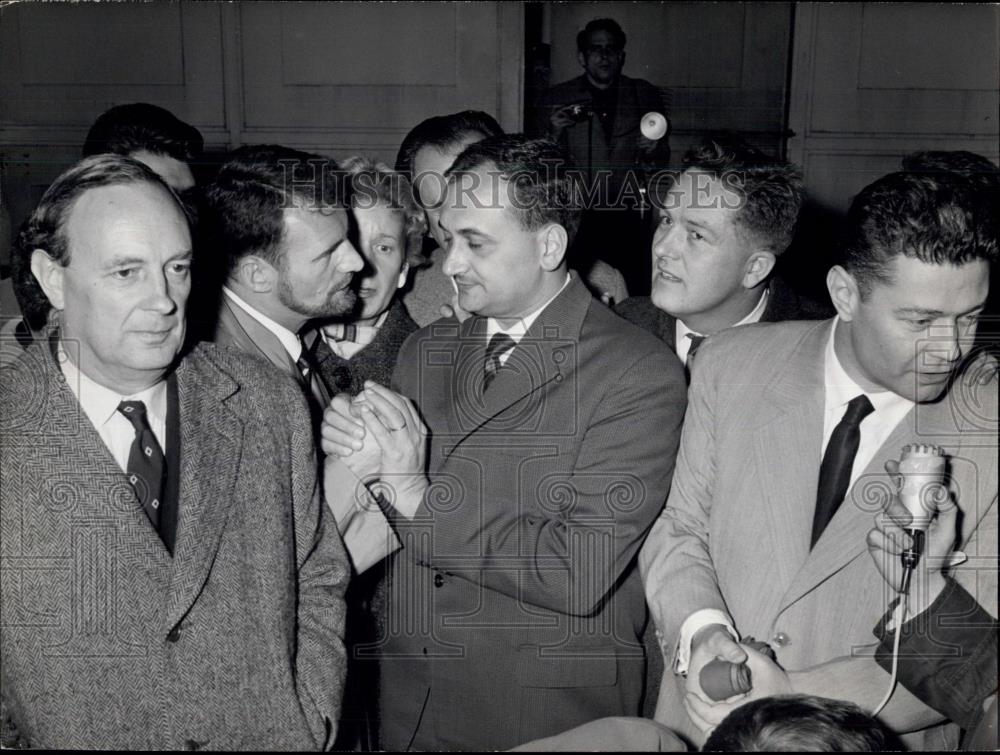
{"x": 379, "y": 436}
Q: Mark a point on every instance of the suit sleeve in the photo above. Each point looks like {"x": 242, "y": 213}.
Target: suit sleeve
{"x": 323, "y": 574}
{"x": 676, "y": 566}
{"x": 565, "y": 549}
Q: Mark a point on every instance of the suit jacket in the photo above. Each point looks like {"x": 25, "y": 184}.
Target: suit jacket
{"x": 736, "y": 530}
{"x": 108, "y": 642}
{"x": 375, "y": 361}
{"x": 782, "y": 304}
{"x": 586, "y": 140}
{"x": 514, "y": 608}
{"x": 364, "y": 529}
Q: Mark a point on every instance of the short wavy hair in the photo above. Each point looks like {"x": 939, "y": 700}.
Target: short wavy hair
{"x": 242, "y": 211}
{"x": 941, "y": 218}
{"x": 45, "y": 228}
{"x": 546, "y": 187}
{"x": 444, "y": 132}
{"x": 374, "y": 180}
{"x": 771, "y": 190}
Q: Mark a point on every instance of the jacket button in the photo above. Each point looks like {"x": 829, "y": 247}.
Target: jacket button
{"x": 173, "y": 635}
{"x": 438, "y": 580}
{"x": 781, "y": 639}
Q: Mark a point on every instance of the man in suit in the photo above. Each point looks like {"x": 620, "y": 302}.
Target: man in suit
{"x": 783, "y": 458}
{"x": 277, "y": 222}
{"x": 168, "y": 578}
{"x": 513, "y": 608}
{"x": 722, "y": 227}
{"x": 596, "y": 117}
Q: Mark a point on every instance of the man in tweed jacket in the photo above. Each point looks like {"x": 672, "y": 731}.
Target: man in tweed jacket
{"x": 218, "y": 625}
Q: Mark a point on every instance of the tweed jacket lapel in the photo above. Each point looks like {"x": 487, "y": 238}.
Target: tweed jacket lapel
{"x": 211, "y": 445}
{"x": 542, "y": 356}
{"x": 65, "y": 417}
{"x": 237, "y": 328}
{"x": 791, "y": 427}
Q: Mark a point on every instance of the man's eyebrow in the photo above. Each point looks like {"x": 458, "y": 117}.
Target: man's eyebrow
{"x": 919, "y": 311}
{"x": 187, "y": 254}
{"x": 466, "y": 232}
{"x": 330, "y": 249}
{"x": 120, "y": 261}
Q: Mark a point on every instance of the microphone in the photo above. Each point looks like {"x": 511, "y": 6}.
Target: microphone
{"x": 921, "y": 489}
{"x": 653, "y": 125}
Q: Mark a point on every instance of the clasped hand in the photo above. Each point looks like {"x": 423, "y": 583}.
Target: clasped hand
{"x": 378, "y": 435}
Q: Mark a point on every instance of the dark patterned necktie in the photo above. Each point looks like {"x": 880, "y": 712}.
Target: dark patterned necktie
{"x": 696, "y": 342}
{"x": 145, "y": 461}
{"x": 499, "y": 344}
{"x": 838, "y": 461}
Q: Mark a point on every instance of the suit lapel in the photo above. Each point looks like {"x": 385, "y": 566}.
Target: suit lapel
{"x": 238, "y": 329}
{"x": 212, "y": 439}
{"x": 541, "y": 357}
{"x": 141, "y": 545}
{"x": 792, "y": 428}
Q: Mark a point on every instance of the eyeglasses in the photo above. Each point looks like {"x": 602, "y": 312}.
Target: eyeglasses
{"x": 609, "y": 50}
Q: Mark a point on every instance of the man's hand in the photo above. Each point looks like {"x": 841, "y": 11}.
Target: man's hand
{"x": 709, "y": 643}
{"x": 393, "y": 423}
{"x": 888, "y": 540}
{"x": 343, "y": 435}
{"x": 767, "y": 677}
{"x": 563, "y": 117}
{"x": 647, "y": 146}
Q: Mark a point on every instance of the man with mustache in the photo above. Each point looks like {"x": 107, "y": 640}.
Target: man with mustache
{"x": 277, "y": 223}
{"x": 170, "y": 579}
{"x": 275, "y": 219}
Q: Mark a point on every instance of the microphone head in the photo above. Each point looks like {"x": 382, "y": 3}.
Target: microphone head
{"x": 921, "y": 485}
{"x": 653, "y": 125}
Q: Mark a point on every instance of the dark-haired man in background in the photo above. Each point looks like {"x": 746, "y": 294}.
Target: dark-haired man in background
{"x": 169, "y": 579}
{"x": 596, "y": 117}
{"x": 784, "y": 455}
{"x": 722, "y": 227}
{"x": 514, "y": 607}
{"x": 153, "y": 136}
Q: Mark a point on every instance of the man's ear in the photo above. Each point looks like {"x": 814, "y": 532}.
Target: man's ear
{"x": 403, "y": 272}
{"x": 581, "y": 59}
{"x": 844, "y": 292}
{"x": 621, "y": 65}
{"x": 50, "y": 276}
{"x": 256, "y": 274}
{"x": 759, "y": 265}
{"x": 552, "y": 243}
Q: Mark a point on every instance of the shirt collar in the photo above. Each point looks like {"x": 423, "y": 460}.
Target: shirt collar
{"x": 683, "y": 343}
{"x": 100, "y": 403}
{"x": 290, "y": 340}
{"x": 841, "y": 388}
{"x": 519, "y": 328}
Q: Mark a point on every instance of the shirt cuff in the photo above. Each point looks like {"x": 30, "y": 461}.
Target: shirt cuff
{"x": 692, "y": 624}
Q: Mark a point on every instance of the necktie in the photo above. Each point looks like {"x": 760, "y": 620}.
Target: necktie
{"x": 835, "y": 471}
{"x": 145, "y": 461}
{"x": 310, "y": 373}
{"x": 499, "y": 344}
{"x": 696, "y": 342}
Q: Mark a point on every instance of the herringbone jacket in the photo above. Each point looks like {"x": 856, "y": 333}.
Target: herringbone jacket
{"x": 107, "y": 641}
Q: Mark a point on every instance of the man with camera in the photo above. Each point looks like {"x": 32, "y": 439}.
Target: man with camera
{"x": 596, "y": 117}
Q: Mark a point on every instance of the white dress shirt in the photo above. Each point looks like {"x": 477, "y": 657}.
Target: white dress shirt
{"x": 100, "y": 404}
{"x": 519, "y": 328}
{"x": 840, "y": 389}
{"x": 682, "y": 344}
{"x": 290, "y": 340}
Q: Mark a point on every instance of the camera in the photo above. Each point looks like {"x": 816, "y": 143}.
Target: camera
{"x": 580, "y": 111}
